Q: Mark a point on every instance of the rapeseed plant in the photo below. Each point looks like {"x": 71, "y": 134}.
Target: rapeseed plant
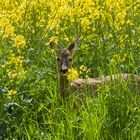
{"x": 9, "y": 31}
{"x": 19, "y": 42}
{"x": 72, "y": 74}
{"x": 117, "y": 59}
{"x": 11, "y": 93}
{"x": 109, "y": 38}
{"x": 84, "y": 71}
{"x": 14, "y": 69}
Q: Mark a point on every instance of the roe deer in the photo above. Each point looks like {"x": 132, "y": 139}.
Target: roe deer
{"x": 64, "y": 61}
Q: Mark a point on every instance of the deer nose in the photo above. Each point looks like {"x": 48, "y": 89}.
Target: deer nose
{"x": 64, "y": 69}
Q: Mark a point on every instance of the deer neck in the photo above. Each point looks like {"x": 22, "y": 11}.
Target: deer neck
{"x": 64, "y": 86}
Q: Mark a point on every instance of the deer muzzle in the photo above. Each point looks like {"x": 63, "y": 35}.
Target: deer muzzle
{"x": 64, "y": 68}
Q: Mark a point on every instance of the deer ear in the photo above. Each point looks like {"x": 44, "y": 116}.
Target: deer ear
{"x": 53, "y": 45}
{"x": 71, "y": 47}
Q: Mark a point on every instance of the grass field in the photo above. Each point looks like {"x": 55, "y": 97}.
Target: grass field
{"x": 30, "y": 107}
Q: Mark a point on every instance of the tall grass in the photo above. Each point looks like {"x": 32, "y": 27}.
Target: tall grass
{"x": 30, "y": 107}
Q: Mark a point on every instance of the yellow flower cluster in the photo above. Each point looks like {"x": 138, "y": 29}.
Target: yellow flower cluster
{"x": 11, "y": 93}
{"x": 61, "y": 15}
{"x": 9, "y": 30}
{"x": 84, "y": 71}
{"x": 85, "y": 23}
{"x": 14, "y": 69}
{"x": 19, "y": 42}
{"x": 72, "y": 74}
{"x": 6, "y": 28}
{"x": 117, "y": 59}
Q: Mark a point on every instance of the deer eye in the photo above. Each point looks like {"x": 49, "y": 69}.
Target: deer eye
{"x": 58, "y": 59}
{"x": 70, "y": 59}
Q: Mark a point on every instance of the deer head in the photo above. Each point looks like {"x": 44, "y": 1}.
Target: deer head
{"x": 64, "y": 56}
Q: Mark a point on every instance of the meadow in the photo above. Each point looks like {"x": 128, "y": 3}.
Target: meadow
{"x": 30, "y": 107}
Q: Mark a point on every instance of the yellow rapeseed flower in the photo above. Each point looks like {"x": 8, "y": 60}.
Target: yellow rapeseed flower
{"x": 84, "y": 71}
{"x": 85, "y": 23}
{"x": 11, "y": 93}
{"x": 83, "y": 68}
{"x": 9, "y": 30}
{"x": 54, "y": 39}
{"x": 120, "y": 17}
{"x": 14, "y": 68}
{"x": 15, "y": 60}
{"x": 53, "y": 23}
{"x": 129, "y": 22}
{"x": 117, "y": 59}
{"x": 4, "y": 22}
{"x": 72, "y": 74}
{"x": 19, "y": 42}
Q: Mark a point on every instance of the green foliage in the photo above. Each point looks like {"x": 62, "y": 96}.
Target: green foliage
{"x": 30, "y": 107}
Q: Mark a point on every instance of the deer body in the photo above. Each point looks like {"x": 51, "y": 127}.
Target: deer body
{"x": 94, "y": 82}
{"x": 64, "y": 61}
